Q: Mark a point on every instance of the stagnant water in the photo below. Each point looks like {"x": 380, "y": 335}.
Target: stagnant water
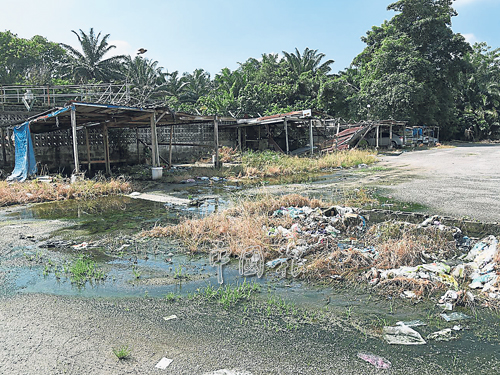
{"x": 158, "y": 267}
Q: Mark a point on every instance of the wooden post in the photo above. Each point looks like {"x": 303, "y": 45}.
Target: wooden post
{"x": 75, "y": 141}
{"x": 216, "y": 142}
{"x": 170, "y": 147}
{"x": 137, "y": 145}
{"x": 4, "y": 153}
{"x": 154, "y": 142}
{"x": 378, "y": 133}
{"x": 311, "y": 138}
{"x": 88, "y": 145}
{"x": 239, "y": 140}
{"x": 106, "y": 148}
{"x": 338, "y": 127}
{"x": 286, "y": 137}
{"x": 390, "y": 137}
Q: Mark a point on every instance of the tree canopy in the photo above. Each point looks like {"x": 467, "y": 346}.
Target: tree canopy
{"x": 413, "y": 68}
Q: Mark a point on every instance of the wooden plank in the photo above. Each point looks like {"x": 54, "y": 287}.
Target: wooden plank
{"x": 390, "y": 137}
{"x": 106, "y": 148}
{"x": 4, "y": 153}
{"x": 311, "y": 137}
{"x": 170, "y": 147}
{"x": 154, "y": 142}
{"x": 88, "y": 146}
{"x": 75, "y": 141}
{"x": 286, "y": 136}
{"x": 216, "y": 142}
{"x": 137, "y": 146}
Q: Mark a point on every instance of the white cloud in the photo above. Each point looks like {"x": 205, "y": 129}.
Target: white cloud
{"x": 471, "y": 38}
{"x": 122, "y": 48}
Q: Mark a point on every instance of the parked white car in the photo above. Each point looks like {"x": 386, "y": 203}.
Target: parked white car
{"x": 384, "y": 139}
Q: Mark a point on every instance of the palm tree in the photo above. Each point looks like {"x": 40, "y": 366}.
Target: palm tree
{"x": 198, "y": 84}
{"x": 175, "y": 84}
{"x": 309, "y": 61}
{"x": 91, "y": 65}
{"x": 146, "y": 79}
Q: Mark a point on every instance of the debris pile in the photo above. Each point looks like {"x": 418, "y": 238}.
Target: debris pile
{"x": 411, "y": 259}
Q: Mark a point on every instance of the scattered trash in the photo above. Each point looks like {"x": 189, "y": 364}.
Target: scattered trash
{"x": 409, "y": 294}
{"x": 82, "y": 245}
{"x": 375, "y": 360}
{"x": 402, "y": 335}
{"x": 443, "y": 335}
{"x": 170, "y": 317}
{"x": 135, "y": 194}
{"x": 164, "y": 363}
{"x": 454, "y": 316}
{"x": 411, "y": 323}
{"x": 273, "y": 263}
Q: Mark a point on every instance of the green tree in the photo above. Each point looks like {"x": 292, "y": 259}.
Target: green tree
{"x": 29, "y": 61}
{"x": 310, "y": 60}
{"x": 411, "y": 65}
{"x": 90, "y": 64}
{"x": 146, "y": 79}
{"x": 479, "y": 100}
{"x": 197, "y": 85}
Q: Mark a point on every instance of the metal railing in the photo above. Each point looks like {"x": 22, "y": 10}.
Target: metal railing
{"x": 51, "y": 96}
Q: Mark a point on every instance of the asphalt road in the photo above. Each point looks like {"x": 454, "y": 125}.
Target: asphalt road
{"x": 463, "y": 181}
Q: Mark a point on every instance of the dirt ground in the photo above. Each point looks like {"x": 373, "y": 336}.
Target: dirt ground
{"x": 463, "y": 181}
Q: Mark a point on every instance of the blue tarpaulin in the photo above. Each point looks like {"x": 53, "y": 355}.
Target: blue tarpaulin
{"x": 25, "y": 154}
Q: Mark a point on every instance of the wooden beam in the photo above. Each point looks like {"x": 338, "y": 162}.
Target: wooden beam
{"x": 75, "y": 141}
{"x": 4, "y": 153}
{"x": 170, "y": 147}
{"x": 88, "y": 145}
{"x": 286, "y": 136}
{"x": 137, "y": 146}
{"x": 390, "y": 137}
{"x": 216, "y": 142}
{"x": 311, "y": 137}
{"x": 154, "y": 142}
{"x": 240, "y": 146}
{"x": 106, "y": 148}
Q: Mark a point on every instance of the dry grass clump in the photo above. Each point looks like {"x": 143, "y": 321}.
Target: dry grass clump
{"x": 421, "y": 287}
{"x": 36, "y": 191}
{"x": 236, "y": 228}
{"x": 267, "y": 204}
{"x": 269, "y": 163}
{"x": 343, "y": 263}
{"x": 404, "y": 244}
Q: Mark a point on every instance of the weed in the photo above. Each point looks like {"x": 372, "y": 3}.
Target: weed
{"x": 84, "y": 269}
{"x": 122, "y": 352}
{"x": 348, "y": 312}
{"x": 230, "y": 295}
{"x": 136, "y": 272}
{"x": 170, "y": 297}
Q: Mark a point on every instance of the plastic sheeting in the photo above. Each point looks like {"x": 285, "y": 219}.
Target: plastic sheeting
{"x": 25, "y": 154}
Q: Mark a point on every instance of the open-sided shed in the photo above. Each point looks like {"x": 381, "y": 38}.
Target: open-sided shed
{"x": 79, "y": 116}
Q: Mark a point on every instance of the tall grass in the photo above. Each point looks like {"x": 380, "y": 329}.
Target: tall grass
{"x": 60, "y": 189}
{"x": 238, "y": 227}
{"x": 270, "y": 163}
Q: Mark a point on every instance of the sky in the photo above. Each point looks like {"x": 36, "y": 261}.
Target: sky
{"x": 185, "y": 35}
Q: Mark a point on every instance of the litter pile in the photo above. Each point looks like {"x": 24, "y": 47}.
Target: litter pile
{"x": 412, "y": 259}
